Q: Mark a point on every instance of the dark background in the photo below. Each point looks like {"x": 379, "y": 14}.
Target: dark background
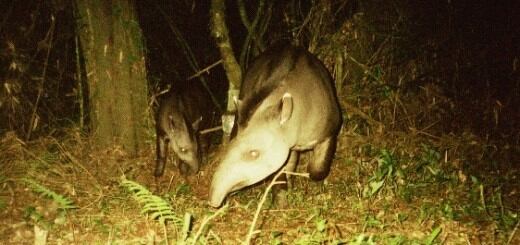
{"x": 468, "y": 49}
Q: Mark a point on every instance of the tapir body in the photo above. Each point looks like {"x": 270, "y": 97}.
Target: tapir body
{"x": 287, "y": 104}
{"x": 183, "y": 112}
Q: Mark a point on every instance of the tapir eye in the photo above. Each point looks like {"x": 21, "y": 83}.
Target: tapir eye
{"x": 183, "y": 150}
{"x": 254, "y": 154}
{"x": 251, "y": 155}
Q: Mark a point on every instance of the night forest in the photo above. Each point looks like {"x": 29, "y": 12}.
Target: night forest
{"x": 427, "y": 151}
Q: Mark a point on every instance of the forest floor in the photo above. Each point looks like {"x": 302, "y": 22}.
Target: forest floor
{"x": 384, "y": 188}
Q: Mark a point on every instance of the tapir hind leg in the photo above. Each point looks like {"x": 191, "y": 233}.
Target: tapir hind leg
{"x": 323, "y": 153}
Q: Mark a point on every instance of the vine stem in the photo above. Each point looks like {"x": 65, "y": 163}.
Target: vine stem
{"x": 252, "y": 231}
{"x": 34, "y": 117}
{"x": 205, "y": 222}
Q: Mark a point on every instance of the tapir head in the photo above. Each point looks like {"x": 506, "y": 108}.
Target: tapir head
{"x": 260, "y": 148}
{"x": 177, "y": 134}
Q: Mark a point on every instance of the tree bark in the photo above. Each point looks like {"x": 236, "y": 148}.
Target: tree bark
{"x": 112, "y": 45}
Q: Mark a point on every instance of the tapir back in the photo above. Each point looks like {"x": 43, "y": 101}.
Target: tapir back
{"x": 295, "y": 71}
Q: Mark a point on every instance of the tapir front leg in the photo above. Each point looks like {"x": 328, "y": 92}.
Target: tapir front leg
{"x": 204, "y": 144}
{"x": 162, "y": 155}
{"x": 292, "y": 162}
{"x": 279, "y": 191}
{"x": 323, "y": 153}
{"x": 290, "y": 166}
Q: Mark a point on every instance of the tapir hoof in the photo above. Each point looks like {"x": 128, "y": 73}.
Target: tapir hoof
{"x": 159, "y": 169}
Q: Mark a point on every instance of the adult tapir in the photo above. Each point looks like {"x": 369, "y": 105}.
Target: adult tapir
{"x": 182, "y": 113}
{"x": 287, "y": 103}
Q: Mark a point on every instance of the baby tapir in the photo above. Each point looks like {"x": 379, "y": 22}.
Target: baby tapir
{"x": 183, "y": 112}
{"x": 287, "y": 103}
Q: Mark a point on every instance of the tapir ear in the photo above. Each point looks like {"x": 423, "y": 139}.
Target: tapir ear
{"x": 237, "y": 102}
{"x": 195, "y": 125}
{"x": 287, "y": 108}
{"x": 170, "y": 121}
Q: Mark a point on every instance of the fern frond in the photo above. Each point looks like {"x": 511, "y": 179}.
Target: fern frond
{"x": 153, "y": 205}
{"x": 63, "y": 202}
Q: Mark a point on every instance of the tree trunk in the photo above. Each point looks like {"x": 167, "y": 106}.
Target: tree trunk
{"x": 233, "y": 72}
{"x": 112, "y": 45}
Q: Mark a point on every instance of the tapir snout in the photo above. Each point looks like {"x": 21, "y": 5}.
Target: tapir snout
{"x": 259, "y": 156}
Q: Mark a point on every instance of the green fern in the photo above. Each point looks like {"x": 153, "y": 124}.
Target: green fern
{"x": 154, "y": 205}
{"x": 63, "y": 202}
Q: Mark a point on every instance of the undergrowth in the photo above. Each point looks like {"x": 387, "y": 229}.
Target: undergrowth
{"x": 378, "y": 193}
